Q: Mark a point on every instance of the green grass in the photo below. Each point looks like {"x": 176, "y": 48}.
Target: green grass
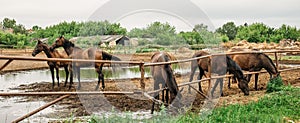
{"x": 286, "y": 57}
{"x": 275, "y": 107}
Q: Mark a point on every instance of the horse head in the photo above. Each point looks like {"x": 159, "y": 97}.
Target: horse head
{"x": 59, "y": 42}
{"x": 38, "y": 48}
{"x": 243, "y": 85}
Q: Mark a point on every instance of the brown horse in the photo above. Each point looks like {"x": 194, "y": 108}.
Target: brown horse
{"x": 163, "y": 74}
{"x": 220, "y": 65}
{"x": 255, "y": 62}
{"x": 52, "y": 65}
{"x": 78, "y": 53}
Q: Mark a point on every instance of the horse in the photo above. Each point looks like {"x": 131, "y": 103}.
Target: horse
{"x": 254, "y": 62}
{"x": 52, "y": 64}
{"x": 88, "y": 54}
{"x": 163, "y": 74}
{"x": 219, "y": 66}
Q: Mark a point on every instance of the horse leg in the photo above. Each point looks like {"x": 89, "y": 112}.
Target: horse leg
{"x": 256, "y": 79}
{"x": 221, "y": 86}
{"x": 78, "y": 77}
{"x": 52, "y": 75}
{"x": 156, "y": 96}
{"x": 229, "y": 82}
{"x": 102, "y": 76}
{"x": 201, "y": 73}
{"x": 67, "y": 75}
{"x": 219, "y": 81}
{"x": 98, "y": 71}
{"x": 249, "y": 77}
{"x": 57, "y": 75}
{"x": 71, "y": 69}
{"x": 167, "y": 96}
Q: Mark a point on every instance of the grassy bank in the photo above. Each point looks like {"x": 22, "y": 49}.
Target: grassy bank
{"x": 273, "y": 108}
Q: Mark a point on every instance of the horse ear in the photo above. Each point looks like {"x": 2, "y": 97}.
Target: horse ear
{"x": 39, "y": 42}
{"x": 61, "y": 37}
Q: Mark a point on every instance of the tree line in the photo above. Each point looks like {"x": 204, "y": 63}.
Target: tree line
{"x": 158, "y": 33}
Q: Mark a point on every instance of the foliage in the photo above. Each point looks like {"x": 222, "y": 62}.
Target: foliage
{"x": 9, "y": 23}
{"x": 155, "y": 33}
{"x": 19, "y": 40}
{"x": 274, "y": 84}
{"x": 229, "y": 29}
{"x": 272, "y": 108}
{"x": 200, "y": 35}
{"x": 257, "y": 32}
{"x": 161, "y": 33}
{"x": 93, "y": 28}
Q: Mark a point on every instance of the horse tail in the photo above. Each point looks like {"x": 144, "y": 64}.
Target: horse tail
{"x": 107, "y": 56}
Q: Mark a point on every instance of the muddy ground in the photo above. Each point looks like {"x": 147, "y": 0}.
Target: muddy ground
{"x": 84, "y": 105}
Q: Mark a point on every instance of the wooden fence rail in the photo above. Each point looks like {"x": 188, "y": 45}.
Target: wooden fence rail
{"x": 142, "y": 66}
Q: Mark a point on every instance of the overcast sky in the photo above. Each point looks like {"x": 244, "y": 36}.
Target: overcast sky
{"x": 182, "y": 14}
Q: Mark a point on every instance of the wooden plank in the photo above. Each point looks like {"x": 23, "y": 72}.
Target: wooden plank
{"x": 40, "y": 108}
{"x": 67, "y": 93}
{"x": 7, "y": 63}
{"x": 67, "y": 60}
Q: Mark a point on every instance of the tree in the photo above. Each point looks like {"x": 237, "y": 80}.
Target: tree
{"x": 9, "y": 23}
{"x": 200, "y": 27}
{"x": 19, "y": 29}
{"x": 257, "y": 32}
{"x": 229, "y": 29}
{"x": 36, "y": 27}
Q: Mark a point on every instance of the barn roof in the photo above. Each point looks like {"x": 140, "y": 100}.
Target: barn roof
{"x": 101, "y": 38}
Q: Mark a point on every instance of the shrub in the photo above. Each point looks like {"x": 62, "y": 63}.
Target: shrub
{"x": 274, "y": 84}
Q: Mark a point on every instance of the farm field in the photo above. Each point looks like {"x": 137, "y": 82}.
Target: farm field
{"x": 79, "y": 106}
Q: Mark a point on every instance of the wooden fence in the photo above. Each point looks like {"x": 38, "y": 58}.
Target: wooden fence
{"x": 141, "y": 65}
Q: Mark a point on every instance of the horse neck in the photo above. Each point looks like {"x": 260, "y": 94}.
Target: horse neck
{"x": 270, "y": 66}
{"x": 234, "y": 68}
{"x": 47, "y": 51}
{"x": 68, "y": 46}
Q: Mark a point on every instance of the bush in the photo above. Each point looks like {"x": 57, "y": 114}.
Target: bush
{"x": 274, "y": 84}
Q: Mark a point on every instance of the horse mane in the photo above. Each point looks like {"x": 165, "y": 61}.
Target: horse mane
{"x": 173, "y": 87}
{"x": 237, "y": 69}
{"x": 270, "y": 60}
{"x": 69, "y": 43}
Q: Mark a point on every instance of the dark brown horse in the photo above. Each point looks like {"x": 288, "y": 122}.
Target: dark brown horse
{"x": 255, "y": 62}
{"x": 219, "y": 65}
{"x": 52, "y": 65}
{"x": 163, "y": 74}
{"x": 89, "y": 54}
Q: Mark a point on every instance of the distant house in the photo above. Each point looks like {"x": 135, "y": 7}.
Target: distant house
{"x": 114, "y": 40}
{"x": 104, "y": 40}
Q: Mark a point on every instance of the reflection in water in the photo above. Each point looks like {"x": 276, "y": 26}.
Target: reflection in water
{"x": 10, "y": 80}
{"x": 10, "y": 109}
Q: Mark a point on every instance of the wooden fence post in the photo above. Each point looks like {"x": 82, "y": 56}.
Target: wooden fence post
{"x": 209, "y": 73}
{"x": 142, "y": 81}
{"x": 276, "y": 60}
